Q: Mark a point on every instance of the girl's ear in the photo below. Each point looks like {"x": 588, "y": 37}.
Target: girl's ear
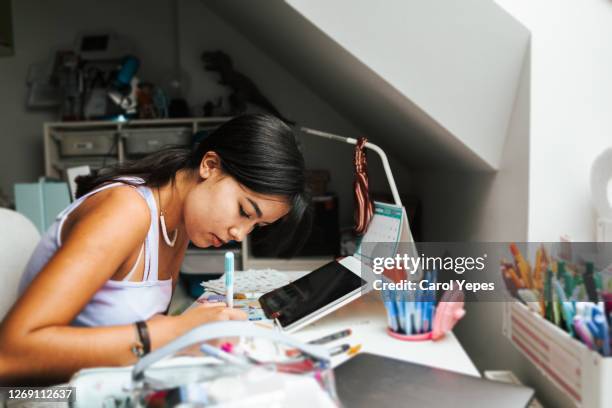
{"x": 210, "y": 164}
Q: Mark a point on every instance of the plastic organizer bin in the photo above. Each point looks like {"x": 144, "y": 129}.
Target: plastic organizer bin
{"x": 86, "y": 143}
{"x": 585, "y": 376}
{"x": 145, "y": 141}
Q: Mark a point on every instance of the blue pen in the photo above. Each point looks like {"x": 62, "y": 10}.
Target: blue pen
{"x": 584, "y": 333}
{"x": 432, "y": 300}
{"x": 427, "y": 326}
{"x": 391, "y": 315}
{"x": 599, "y": 320}
{"x": 418, "y": 313}
{"x": 391, "y": 310}
{"x": 229, "y": 278}
{"x": 401, "y": 315}
{"x": 566, "y": 307}
{"x": 593, "y": 327}
{"x": 408, "y": 311}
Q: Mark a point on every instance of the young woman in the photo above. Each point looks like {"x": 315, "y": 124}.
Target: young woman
{"x": 97, "y": 286}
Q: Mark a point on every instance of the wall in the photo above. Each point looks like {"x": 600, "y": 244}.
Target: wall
{"x": 490, "y": 208}
{"x": 571, "y": 120}
{"x": 457, "y": 61}
{"x": 6, "y": 28}
{"x": 545, "y": 179}
{"x": 571, "y": 97}
{"x": 203, "y": 30}
{"x": 43, "y": 27}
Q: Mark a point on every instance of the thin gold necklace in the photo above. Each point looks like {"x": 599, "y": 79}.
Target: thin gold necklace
{"x": 162, "y": 221}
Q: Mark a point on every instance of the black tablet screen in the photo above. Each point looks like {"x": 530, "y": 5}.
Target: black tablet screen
{"x": 309, "y": 293}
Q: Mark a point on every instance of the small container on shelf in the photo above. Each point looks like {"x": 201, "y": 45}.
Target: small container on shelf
{"x": 86, "y": 142}
{"x": 148, "y": 140}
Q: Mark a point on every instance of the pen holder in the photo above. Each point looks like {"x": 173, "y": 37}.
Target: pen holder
{"x": 410, "y": 314}
{"x": 410, "y": 337}
{"x": 421, "y": 319}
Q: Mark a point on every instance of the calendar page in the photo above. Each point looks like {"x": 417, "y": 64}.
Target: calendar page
{"x": 383, "y": 234}
{"x": 388, "y": 234}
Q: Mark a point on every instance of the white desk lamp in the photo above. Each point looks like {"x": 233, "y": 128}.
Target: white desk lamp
{"x": 371, "y": 146}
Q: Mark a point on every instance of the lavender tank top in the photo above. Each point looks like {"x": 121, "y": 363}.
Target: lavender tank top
{"x": 117, "y": 302}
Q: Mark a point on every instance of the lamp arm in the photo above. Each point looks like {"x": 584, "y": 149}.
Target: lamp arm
{"x": 371, "y": 146}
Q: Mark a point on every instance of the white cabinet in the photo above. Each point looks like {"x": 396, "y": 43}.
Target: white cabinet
{"x": 104, "y": 143}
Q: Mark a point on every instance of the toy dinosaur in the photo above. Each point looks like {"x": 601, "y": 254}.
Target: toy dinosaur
{"x": 244, "y": 91}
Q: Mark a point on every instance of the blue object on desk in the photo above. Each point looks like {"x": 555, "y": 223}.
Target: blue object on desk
{"x": 411, "y": 312}
{"x": 399, "y": 306}
{"x": 392, "y": 313}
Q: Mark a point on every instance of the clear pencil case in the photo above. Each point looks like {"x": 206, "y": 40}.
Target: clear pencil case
{"x": 258, "y": 368}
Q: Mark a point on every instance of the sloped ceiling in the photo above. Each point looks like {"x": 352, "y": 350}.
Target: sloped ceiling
{"x": 432, "y": 82}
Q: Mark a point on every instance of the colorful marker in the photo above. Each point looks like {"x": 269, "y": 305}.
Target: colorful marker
{"x": 229, "y": 278}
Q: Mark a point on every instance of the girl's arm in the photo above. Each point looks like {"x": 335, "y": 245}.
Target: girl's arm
{"x": 37, "y": 344}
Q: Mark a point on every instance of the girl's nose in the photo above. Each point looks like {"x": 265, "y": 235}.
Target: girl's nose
{"x": 237, "y": 233}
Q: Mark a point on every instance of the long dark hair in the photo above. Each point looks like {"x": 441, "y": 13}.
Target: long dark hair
{"x": 259, "y": 151}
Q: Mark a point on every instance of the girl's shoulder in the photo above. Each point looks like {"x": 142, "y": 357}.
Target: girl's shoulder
{"x": 126, "y": 197}
{"x": 122, "y": 204}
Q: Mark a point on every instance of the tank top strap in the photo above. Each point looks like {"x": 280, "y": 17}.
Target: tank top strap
{"x": 151, "y": 245}
{"x": 131, "y": 272}
{"x": 152, "y": 241}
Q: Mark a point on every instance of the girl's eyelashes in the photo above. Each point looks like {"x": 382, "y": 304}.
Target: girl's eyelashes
{"x": 243, "y": 213}
{"x": 248, "y": 216}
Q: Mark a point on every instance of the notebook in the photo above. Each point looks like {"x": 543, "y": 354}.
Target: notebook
{"x": 368, "y": 380}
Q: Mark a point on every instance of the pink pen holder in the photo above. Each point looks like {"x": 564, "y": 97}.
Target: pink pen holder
{"x": 409, "y": 337}
{"x": 448, "y": 312}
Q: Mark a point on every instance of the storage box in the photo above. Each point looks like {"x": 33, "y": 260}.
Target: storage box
{"x": 86, "y": 143}
{"x": 41, "y": 202}
{"x": 145, "y": 141}
{"x": 583, "y": 375}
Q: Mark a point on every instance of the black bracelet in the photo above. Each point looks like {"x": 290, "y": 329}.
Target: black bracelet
{"x": 144, "y": 346}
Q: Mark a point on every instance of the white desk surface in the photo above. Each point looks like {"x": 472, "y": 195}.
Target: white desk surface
{"x": 367, "y": 319}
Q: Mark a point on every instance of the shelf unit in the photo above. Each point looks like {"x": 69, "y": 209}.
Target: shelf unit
{"x": 53, "y": 133}
{"x": 116, "y": 152}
